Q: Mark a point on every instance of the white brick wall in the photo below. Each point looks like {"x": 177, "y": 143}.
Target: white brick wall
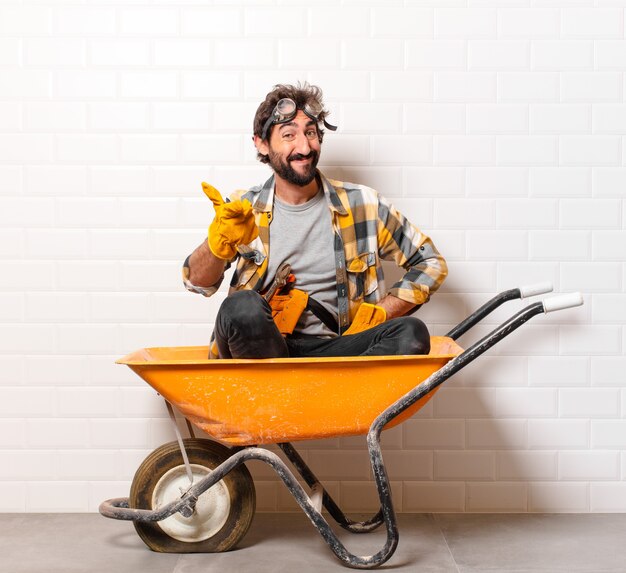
{"x": 497, "y": 126}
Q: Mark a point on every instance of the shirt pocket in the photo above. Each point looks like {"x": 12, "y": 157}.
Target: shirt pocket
{"x": 362, "y": 275}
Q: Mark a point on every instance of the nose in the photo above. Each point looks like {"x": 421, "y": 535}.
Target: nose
{"x": 303, "y": 145}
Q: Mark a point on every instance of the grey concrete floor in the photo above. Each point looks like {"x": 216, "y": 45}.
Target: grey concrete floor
{"x": 442, "y": 543}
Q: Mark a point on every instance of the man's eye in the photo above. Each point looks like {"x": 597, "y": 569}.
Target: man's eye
{"x": 311, "y": 134}
{"x": 288, "y": 136}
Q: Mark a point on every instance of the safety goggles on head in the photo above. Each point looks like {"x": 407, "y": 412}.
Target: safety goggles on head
{"x": 286, "y": 109}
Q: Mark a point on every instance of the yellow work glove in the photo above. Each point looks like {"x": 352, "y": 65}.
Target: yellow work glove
{"x": 368, "y": 316}
{"x": 233, "y": 224}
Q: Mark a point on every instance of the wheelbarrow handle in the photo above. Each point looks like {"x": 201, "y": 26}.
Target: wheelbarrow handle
{"x": 535, "y": 289}
{"x": 562, "y": 301}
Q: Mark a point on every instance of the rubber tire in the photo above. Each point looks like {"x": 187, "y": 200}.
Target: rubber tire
{"x": 208, "y": 454}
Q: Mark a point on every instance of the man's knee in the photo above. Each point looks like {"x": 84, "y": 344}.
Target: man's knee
{"x": 413, "y": 336}
{"x": 242, "y": 307}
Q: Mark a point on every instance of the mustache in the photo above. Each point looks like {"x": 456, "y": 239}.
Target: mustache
{"x": 298, "y": 156}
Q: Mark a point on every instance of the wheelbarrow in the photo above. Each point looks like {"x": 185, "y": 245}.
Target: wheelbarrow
{"x": 196, "y": 495}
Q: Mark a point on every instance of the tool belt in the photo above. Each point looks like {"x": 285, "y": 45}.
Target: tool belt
{"x": 288, "y": 303}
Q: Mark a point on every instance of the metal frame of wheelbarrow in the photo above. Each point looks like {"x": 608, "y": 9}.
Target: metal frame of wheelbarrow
{"x": 312, "y": 504}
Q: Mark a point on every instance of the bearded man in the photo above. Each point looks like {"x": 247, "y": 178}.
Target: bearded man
{"x": 308, "y": 279}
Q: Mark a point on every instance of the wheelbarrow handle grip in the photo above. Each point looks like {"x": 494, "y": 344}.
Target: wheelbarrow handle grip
{"x": 562, "y": 301}
{"x": 533, "y": 290}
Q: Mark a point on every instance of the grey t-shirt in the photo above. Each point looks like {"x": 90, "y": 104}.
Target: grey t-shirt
{"x": 302, "y": 235}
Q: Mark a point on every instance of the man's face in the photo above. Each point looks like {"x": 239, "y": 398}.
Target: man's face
{"x": 294, "y": 149}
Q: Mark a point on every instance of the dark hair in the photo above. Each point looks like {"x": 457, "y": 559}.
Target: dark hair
{"x": 302, "y": 94}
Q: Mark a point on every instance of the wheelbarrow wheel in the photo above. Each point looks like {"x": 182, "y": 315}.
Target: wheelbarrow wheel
{"x": 222, "y": 514}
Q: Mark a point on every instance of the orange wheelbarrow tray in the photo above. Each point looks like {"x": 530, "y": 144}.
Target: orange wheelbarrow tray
{"x": 196, "y": 495}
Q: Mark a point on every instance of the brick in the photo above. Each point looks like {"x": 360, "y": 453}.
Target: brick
{"x": 182, "y": 52}
{"x": 153, "y": 21}
{"x": 589, "y": 403}
{"x": 610, "y": 54}
{"x": 413, "y": 466}
{"x": 340, "y": 465}
{"x": 608, "y": 497}
{"x": 372, "y": 53}
{"x": 608, "y": 434}
{"x": 120, "y": 307}
{"x": 436, "y": 54}
{"x": 148, "y": 85}
{"x": 560, "y": 181}
{"x": 127, "y": 181}
{"x": 119, "y": 52}
{"x": 428, "y": 434}
{"x": 55, "y": 116}
{"x": 12, "y": 243}
{"x": 56, "y": 371}
{"x": 211, "y": 148}
{"x": 90, "y": 20}
{"x": 142, "y": 402}
{"x": 341, "y": 149}
{"x": 401, "y": 86}
{"x": 119, "y": 243}
{"x": 118, "y": 116}
{"x": 609, "y": 118}
{"x": 609, "y": 245}
{"x": 26, "y": 147}
{"x": 430, "y": 180}
{"x": 87, "y": 212}
{"x": 439, "y": 497}
{"x": 609, "y": 308}
{"x": 560, "y": 55}
{"x": 88, "y": 339}
{"x": 470, "y": 150}
{"x": 467, "y": 465}
{"x": 557, "y": 497}
{"x": 591, "y": 22}
{"x": 524, "y": 213}
{"x": 338, "y": 85}
{"x": 589, "y": 466}
{"x": 10, "y": 51}
{"x": 97, "y": 148}
{"x": 231, "y": 53}
{"x": 88, "y": 275}
{"x": 558, "y": 434}
{"x": 452, "y": 213}
{"x": 27, "y": 402}
{"x": 498, "y": 54}
{"x": 372, "y": 118}
{"x": 54, "y": 52}
{"x": 493, "y": 371}
{"x": 403, "y": 149}
{"x": 96, "y": 465}
{"x": 560, "y": 118}
{"x": 10, "y": 180}
{"x": 149, "y": 148}
{"x": 118, "y": 433}
{"x": 460, "y": 402}
{"x": 526, "y": 465}
{"x": 558, "y": 371}
{"x": 590, "y": 340}
{"x": 275, "y": 22}
{"x": 497, "y": 245}
{"x": 585, "y": 150}
{"x": 434, "y": 118}
{"x": 54, "y": 180}
{"x": 25, "y": 20}
{"x": 497, "y": 118}
{"x": 210, "y": 84}
{"x": 465, "y": 23}
{"x": 13, "y": 496}
{"x": 222, "y": 22}
{"x": 496, "y": 434}
{"x": 472, "y": 277}
{"x": 56, "y": 307}
{"x": 606, "y": 370}
{"x": 141, "y": 276}
{"x": 10, "y": 115}
{"x": 529, "y": 23}
{"x": 76, "y": 84}
{"x": 12, "y": 307}
{"x": 88, "y": 402}
{"x": 575, "y": 276}
{"x": 353, "y": 21}
{"x": 592, "y": 214}
{"x": 408, "y": 21}
{"x": 56, "y": 433}
{"x": 559, "y": 245}
{"x": 31, "y": 275}
{"x": 527, "y": 403}
{"x": 234, "y": 117}
{"x": 187, "y": 116}
{"x": 527, "y": 150}
{"x": 591, "y": 87}
{"x": 363, "y": 496}
{"x": 500, "y": 181}
{"x": 500, "y": 497}
{"x": 27, "y": 212}
{"x": 528, "y": 87}
{"x": 465, "y": 87}
{"x": 12, "y": 433}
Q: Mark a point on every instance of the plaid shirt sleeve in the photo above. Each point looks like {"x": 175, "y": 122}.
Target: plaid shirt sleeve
{"x": 409, "y": 248}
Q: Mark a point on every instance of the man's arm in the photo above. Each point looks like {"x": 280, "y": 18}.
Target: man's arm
{"x": 395, "y": 306}
{"x": 205, "y": 269}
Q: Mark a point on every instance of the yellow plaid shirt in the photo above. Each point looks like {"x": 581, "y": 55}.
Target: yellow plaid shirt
{"x": 367, "y": 229}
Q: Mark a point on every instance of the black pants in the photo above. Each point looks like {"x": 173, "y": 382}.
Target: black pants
{"x": 244, "y": 329}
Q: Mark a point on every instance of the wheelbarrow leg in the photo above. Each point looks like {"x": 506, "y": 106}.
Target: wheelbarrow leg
{"x": 327, "y": 501}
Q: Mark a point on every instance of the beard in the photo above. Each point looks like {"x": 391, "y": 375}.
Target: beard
{"x": 284, "y": 169}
